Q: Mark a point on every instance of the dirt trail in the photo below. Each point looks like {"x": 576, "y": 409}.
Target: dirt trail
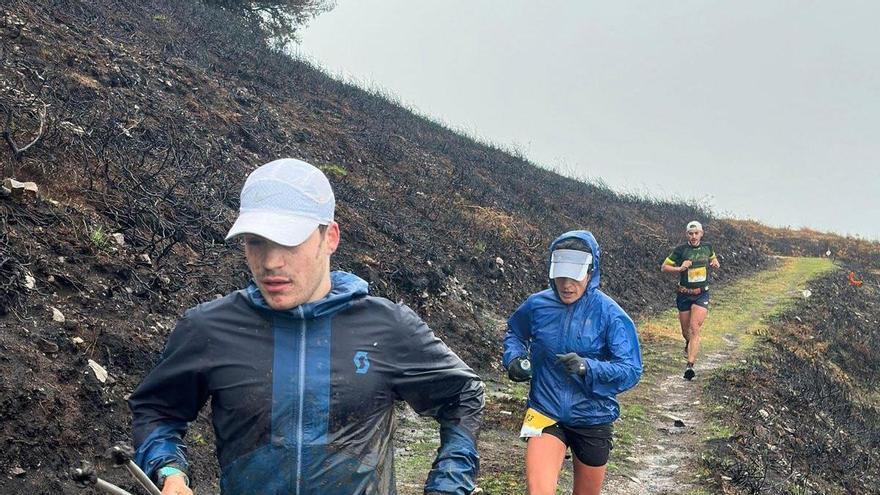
{"x": 666, "y": 462}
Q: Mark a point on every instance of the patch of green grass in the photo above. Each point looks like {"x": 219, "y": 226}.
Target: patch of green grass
{"x": 414, "y": 466}
{"x": 717, "y": 431}
{"x": 99, "y": 238}
{"x": 632, "y": 426}
{"x": 197, "y": 438}
{"x": 502, "y": 483}
{"x": 332, "y": 169}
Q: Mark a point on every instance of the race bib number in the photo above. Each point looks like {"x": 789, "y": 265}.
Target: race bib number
{"x": 534, "y": 423}
{"x": 696, "y": 275}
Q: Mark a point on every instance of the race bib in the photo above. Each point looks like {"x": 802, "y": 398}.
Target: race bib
{"x": 534, "y": 423}
{"x": 696, "y": 275}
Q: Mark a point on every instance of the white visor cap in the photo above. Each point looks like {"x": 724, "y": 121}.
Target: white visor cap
{"x": 570, "y": 263}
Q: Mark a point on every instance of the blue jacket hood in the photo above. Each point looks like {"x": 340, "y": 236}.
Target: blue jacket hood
{"x": 590, "y": 240}
{"x": 345, "y": 288}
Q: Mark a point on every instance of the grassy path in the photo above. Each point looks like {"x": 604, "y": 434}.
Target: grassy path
{"x": 663, "y": 425}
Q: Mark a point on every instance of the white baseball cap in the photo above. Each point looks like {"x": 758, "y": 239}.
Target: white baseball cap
{"x": 570, "y": 263}
{"x": 284, "y": 201}
{"x": 694, "y": 225}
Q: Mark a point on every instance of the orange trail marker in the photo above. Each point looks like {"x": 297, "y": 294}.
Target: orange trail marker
{"x": 852, "y": 280}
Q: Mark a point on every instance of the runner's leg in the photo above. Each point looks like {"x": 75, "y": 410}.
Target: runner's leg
{"x": 698, "y": 316}
{"x": 684, "y": 319}
{"x": 587, "y": 479}
{"x": 544, "y": 457}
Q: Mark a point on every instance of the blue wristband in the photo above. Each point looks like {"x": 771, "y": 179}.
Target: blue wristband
{"x": 167, "y": 471}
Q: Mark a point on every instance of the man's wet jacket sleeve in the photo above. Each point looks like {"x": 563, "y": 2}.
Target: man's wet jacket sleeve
{"x": 169, "y": 398}
{"x": 623, "y": 368}
{"x": 435, "y": 382}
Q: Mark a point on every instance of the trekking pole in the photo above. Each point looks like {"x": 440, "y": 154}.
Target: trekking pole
{"x": 121, "y": 456}
{"x": 85, "y": 477}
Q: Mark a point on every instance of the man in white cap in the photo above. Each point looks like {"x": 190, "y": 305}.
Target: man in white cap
{"x": 303, "y": 367}
{"x": 691, "y": 261}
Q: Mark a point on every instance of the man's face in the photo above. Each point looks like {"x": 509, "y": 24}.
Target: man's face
{"x": 694, "y": 237}
{"x": 569, "y": 289}
{"x": 290, "y": 276}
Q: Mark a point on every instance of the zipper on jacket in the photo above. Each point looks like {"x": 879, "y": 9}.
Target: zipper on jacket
{"x": 566, "y": 346}
{"x": 301, "y": 399}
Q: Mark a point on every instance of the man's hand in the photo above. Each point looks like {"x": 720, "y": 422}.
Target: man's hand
{"x": 176, "y": 485}
{"x": 685, "y": 265}
{"x": 520, "y": 369}
{"x": 572, "y": 363}
{"x": 714, "y": 263}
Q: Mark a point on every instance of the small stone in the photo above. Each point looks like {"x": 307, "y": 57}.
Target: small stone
{"x": 57, "y": 315}
{"x": 77, "y": 341}
{"x": 146, "y": 259}
{"x": 29, "y": 281}
{"x": 17, "y": 471}
{"x": 119, "y": 238}
{"x": 27, "y": 190}
{"x": 100, "y": 373}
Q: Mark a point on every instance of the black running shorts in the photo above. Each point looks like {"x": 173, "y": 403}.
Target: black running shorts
{"x": 684, "y": 302}
{"x": 591, "y": 444}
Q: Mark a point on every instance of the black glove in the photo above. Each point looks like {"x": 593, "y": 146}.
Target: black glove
{"x": 572, "y": 363}
{"x": 520, "y": 369}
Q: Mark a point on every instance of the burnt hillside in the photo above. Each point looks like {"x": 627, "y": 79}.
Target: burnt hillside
{"x": 143, "y": 119}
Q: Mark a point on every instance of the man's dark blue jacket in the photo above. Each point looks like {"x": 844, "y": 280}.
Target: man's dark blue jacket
{"x": 303, "y": 400}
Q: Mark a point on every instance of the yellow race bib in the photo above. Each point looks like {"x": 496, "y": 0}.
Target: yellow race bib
{"x": 534, "y": 423}
{"x": 697, "y": 275}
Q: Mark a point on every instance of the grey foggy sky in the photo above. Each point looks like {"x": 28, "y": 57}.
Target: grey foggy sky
{"x": 768, "y": 110}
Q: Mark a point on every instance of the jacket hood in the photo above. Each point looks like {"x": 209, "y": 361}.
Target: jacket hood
{"x": 345, "y": 288}
{"x": 590, "y": 240}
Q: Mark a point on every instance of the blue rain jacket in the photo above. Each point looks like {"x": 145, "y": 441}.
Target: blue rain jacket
{"x": 594, "y": 327}
{"x": 302, "y": 400}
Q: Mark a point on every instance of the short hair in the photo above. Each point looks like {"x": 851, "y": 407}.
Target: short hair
{"x": 574, "y": 243}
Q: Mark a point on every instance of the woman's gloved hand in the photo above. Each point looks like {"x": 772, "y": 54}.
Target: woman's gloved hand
{"x": 572, "y": 363}
{"x": 520, "y": 369}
